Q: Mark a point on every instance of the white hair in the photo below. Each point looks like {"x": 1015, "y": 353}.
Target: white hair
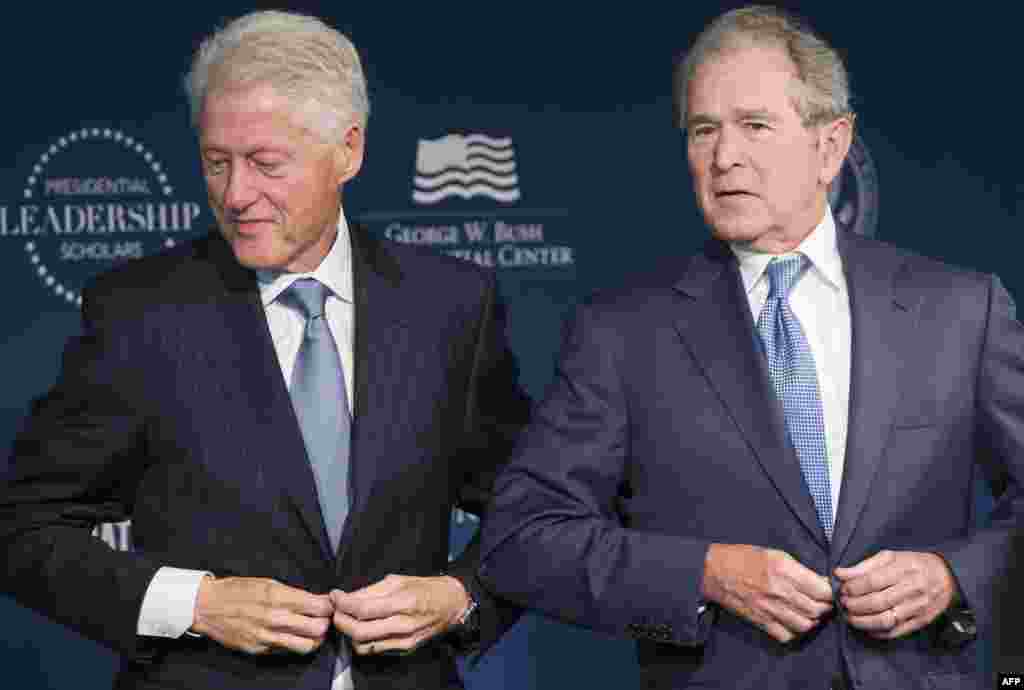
{"x": 299, "y": 56}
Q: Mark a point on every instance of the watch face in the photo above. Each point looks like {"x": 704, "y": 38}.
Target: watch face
{"x": 963, "y": 622}
{"x": 471, "y": 619}
{"x": 465, "y": 634}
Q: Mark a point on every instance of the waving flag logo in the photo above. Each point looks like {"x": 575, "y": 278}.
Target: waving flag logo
{"x": 465, "y": 166}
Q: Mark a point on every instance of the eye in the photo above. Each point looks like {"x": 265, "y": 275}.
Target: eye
{"x": 699, "y": 132}
{"x": 267, "y": 166}
{"x": 756, "y": 126}
{"x": 212, "y": 166}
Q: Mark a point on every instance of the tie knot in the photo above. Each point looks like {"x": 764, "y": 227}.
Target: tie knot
{"x": 309, "y": 294}
{"x": 783, "y": 274}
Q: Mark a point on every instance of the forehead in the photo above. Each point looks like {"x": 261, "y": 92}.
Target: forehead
{"x": 750, "y": 78}
{"x": 250, "y": 116}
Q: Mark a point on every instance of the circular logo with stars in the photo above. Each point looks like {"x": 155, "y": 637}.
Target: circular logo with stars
{"x": 853, "y": 195}
{"x": 95, "y": 196}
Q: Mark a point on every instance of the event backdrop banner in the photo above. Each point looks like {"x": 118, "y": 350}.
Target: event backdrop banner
{"x": 535, "y": 140}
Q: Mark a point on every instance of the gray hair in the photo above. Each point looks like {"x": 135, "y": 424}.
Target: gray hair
{"x": 301, "y": 57}
{"x": 823, "y": 94}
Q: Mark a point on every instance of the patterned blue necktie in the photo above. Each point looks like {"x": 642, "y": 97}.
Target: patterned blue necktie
{"x": 795, "y": 379}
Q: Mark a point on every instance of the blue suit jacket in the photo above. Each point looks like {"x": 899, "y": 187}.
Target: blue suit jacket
{"x": 661, "y": 434}
{"x": 171, "y": 410}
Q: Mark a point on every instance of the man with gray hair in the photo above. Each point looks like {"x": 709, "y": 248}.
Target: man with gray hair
{"x": 759, "y": 461}
{"x": 287, "y": 409}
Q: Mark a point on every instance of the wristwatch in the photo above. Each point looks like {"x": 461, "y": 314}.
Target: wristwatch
{"x": 960, "y": 627}
{"x": 465, "y": 634}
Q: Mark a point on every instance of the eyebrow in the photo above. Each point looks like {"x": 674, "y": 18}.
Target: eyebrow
{"x": 259, "y": 150}
{"x": 740, "y": 114}
{"x": 759, "y": 113}
{"x": 702, "y": 119}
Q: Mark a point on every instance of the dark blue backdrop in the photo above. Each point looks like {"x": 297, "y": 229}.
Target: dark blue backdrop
{"x": 584, "y": 96}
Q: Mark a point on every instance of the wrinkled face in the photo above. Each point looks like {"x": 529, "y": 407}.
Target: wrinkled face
{"x": 274, "y": 186}
{"x": 760, "y": 175}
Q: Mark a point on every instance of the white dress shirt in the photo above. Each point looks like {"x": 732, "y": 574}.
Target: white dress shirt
{"x": 822, "y": 304}
{"x": 169, "y": 604}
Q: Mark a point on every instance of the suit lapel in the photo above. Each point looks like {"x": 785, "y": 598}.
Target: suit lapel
{"x": 381, "y": 344}
{"x": 716, "y": 324}
{"x": 883, "y": 316}
{"x": 273, "y": 434}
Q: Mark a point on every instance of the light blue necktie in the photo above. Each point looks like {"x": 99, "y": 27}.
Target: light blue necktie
{"x": 318, "y": 396}
{"x": 791, "y": 366}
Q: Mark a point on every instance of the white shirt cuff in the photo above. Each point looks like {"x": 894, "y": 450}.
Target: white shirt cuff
{"x": 168, "y": 609}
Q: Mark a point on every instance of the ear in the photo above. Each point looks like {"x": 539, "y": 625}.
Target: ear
{"x": 834, "y": 143}
{"x": 349, "y": 154}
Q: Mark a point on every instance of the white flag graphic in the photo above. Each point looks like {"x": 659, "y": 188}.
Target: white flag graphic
{"x": 465, "y": 166}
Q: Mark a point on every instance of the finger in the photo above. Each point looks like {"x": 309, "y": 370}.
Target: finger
{"x": 283, "y": 642}
{"x": 283, "y": 596}
{"x": 391, "y": 646}
{"x": 908, "y": 616}
{"x": 373, "y": 631}
{"x": 903, "y": 629}
{"x": 866, "y": 566}
{"x": 796, "y": 623}
{"x": 285, "y": 622}
{"x": 873, "y": 623}
{"x": 869, "y": 604}
{"x": 810, "y": 608}
{"x": 902, "y": 595}
{"x": 802, "y": 578}
{"x": 363, "y": 608}
{"x": 892, "y": 621}
{"x": 810, "y": 584}
{"x": 779, "y": 632}
{"x": 383, "y": 587}
{"x": 876, "y": 580}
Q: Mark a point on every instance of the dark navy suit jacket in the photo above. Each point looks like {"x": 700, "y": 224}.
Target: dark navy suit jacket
{"x": 171, "y": 409}
{"x": 661, "y": 434}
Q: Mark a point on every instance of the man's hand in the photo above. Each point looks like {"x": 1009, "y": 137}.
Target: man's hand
{"x": 895, "y": 593}
{"x": 767, "y": 587}
{"x": 399, "y": 613}
{"x": 261, "y": 616}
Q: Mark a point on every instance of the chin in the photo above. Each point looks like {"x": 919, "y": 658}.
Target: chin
{"x": 729, "y": 232}
{"x": 256, "y": 258}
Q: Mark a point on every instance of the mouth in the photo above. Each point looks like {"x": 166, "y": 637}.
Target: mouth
{"x": 249, "y": 226}
{"x": 732, "y": 194}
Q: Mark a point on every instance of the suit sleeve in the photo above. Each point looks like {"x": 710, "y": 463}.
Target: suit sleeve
{"x": 75, "y": 464}
{"x": 980, "y": 560}
{"x": 553, "y": 539}
{"x": 496, "y": 411}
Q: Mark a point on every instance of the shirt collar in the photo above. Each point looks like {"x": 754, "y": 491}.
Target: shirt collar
{"x": 820, "y": 247}
{"x": 335, "y": 271}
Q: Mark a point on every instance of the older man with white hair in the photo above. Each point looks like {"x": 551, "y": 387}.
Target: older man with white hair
{"x": 287, "y": 410}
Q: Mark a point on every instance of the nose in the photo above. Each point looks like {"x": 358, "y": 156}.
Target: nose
{"x": 728, "y": 149}
{"x": 239, "y": 191}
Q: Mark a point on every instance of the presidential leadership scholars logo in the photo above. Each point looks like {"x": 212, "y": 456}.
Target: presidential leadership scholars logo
{"x": 94, "y": 197}
{"x": 465, "y": 167}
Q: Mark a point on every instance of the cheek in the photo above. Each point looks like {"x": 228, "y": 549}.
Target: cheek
{"x": 700, "y": 178}
{"x": 214, "y": 190}
{"x": 284, "y": 195}
{"x": 695, "y": 162}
